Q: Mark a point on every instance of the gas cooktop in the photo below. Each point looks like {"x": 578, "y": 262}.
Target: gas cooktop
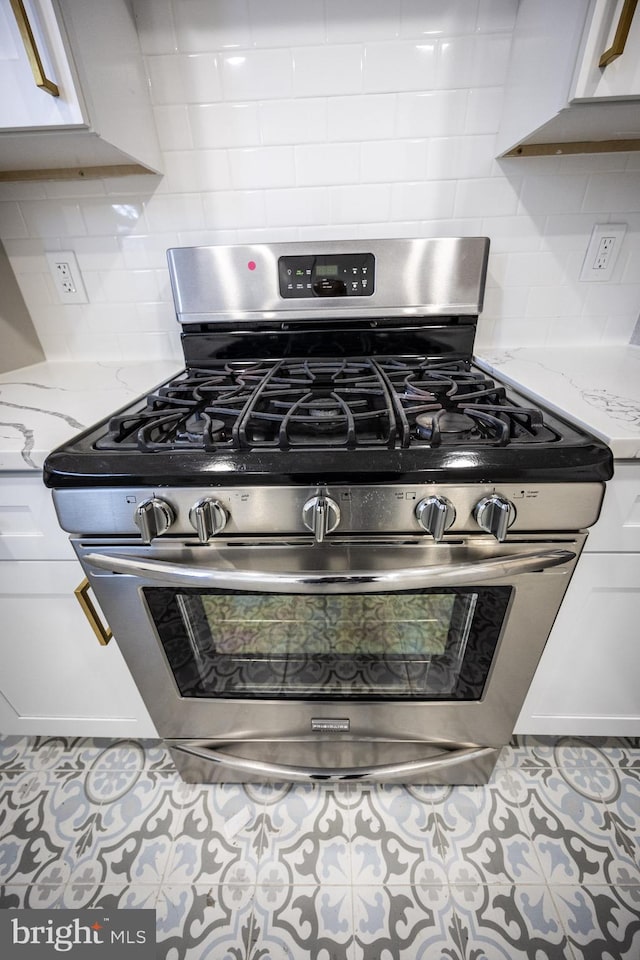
{"x": 322, "y": 420}
{"x": 315, "y": 404}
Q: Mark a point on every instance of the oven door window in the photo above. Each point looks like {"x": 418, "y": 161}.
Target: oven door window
{"x": 413, "y": 645}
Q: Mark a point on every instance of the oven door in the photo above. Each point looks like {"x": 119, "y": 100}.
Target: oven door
{"x": 365, "y": 659}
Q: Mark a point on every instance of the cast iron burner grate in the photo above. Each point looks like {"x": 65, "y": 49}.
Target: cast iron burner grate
{"x": 323, "y": 403}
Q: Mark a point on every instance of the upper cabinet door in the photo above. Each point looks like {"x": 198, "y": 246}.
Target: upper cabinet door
{"x": 38, "y": 88}
{"x": 610, "y": 65}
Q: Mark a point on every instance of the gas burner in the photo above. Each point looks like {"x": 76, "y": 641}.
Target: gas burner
{"x": 356, "y": 403}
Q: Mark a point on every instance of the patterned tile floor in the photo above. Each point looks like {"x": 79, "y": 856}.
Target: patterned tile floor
{"x": 544, "y": 862}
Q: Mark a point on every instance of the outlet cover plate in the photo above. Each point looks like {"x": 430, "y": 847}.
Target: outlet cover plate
{"x": 602, "y": 252}
{"x": 67, "y": 278}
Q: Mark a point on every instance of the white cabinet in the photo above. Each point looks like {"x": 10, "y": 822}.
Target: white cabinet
{"x": 50, "y": 100}
{"x": 54, "y": 676}
{"x": 613, "y": 40}
{"x": 77, "y": 104}
{"x": 558, "y": 99}
{"x": 587, "y": 682}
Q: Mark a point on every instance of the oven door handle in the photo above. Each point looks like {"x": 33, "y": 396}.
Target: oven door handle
{"x": 289, "y": 772}
{"x": 445, "y": 575}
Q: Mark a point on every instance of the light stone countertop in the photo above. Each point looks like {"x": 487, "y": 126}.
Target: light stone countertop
{"x": 45, "y": 404}
{"x": 597, "y": 387}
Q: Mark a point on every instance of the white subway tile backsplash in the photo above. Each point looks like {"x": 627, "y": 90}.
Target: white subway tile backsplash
{"x": 491, "y": 60}
{"x": 190, "y": 171}
{"x": 146, "y": 250}
{"x": 286, "y": 23}
{"x": 53, "y": 218}
{"x": 289, "y": 121}
{"x": 301, "y": 206}
{"x": 173, "y": 213}
{"x": 455, "y": 158}
{"x": 361, "y": 203}
{"x": 181, "y": 79}
{"x": 434, "y": 113}
{"x": 478, "y": 198}
{"x": 12, "y": 222}
{"x": 484, "y": 108}
{"x": 496, "y": 15}
{"x": 433, "y": 18}
{"x": 232, "y": 209}
{"x": 322, "y": 119}
{"x": 203, "y": 25}
{"x": 608, "y": 193}
{"x": 255, "y": 167}
{"x": 384, "y": 161}
{"x": 456, "y": 63}
{"x": 257, "y": 74}
{"x": 111, "y": 217}
{"x": 399, "y": 66}
{"x": 327, "y": 71}
{"x": 224, "y": 125}
{"x": 553, "y": 195}
{"x": 174, "y": 130}
{"x": 370, "y": 117}
{"x": 154, "y": 21}
{"x": 361, "y": 20}
{"x": 327, "y": 163}
{"x": 423, "y": 200}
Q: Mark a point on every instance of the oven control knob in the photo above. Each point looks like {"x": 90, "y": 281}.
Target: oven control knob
{"x": 495, "y": 514}
{"x": 321, "y": 515}
{"x": 153, "y": 517}
{"x": 208, "y": 517}
{"x": 435, "y": 515}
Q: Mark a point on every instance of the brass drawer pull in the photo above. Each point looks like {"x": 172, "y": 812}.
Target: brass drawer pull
{"x": 622, "y": 32}
{"x": 103, "y": 633}
{"x": 31, "y": 48}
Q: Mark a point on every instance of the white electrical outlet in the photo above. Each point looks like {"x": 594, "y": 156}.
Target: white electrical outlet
{"x": 602, "y": 252}
{"x": 67, "y": 277}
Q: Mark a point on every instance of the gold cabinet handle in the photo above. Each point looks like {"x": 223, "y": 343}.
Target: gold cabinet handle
{"x": 31, "y": 48}
{"x": 103, "y": 633}
{"x": 622, "y": 32}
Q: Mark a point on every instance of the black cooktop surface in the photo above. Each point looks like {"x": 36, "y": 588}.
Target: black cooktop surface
{"x": 318, "y": 419}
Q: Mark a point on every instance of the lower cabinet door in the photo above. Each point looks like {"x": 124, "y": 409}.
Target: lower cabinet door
{"x": 55, "y": 678}
{"x": 587, "y": 680}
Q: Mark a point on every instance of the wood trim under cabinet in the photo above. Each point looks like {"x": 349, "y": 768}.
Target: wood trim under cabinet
{"x": 77, "y": 173}
{"x": 573, "y": 146}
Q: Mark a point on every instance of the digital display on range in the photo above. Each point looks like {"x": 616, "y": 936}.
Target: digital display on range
{"x": 326, "y": 275}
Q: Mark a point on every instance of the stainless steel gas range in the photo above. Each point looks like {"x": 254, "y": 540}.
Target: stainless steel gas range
{"x": 331, "y": 548}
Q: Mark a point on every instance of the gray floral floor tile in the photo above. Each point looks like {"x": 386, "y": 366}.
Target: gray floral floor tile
{"x": 577, "y": 834}
{"x": 218, "y": 837}
{"x": 104, "y": 825}
{"x": 203, "y": 922}
{"x": 536, "y": 752}
{"x": 415, "y": 922}
{"x": 484, "y": 839}
{"x": 543, "y": 862}
{"x": 510, "y": 923}
{"x": 602, "y": 923}
{"x": 306, "y": 837}
{"x": 31, "y": 897}
{"x": 313, "y": 922}
{"x": 393, "y": 836}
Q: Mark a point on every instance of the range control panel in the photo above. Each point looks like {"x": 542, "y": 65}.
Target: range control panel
{"x": 327, "y": 275}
